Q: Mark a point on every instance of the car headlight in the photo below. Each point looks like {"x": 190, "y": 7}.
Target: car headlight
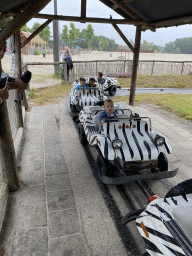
{"x": 117, "y": 143}
{"x": 159, "y": 140}
{"x": 100, "y": 97}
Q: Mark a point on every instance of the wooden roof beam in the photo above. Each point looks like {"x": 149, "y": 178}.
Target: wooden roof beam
{"x": 83, "y": 8}
{"x": 21, "y": 19}
{"x": 123, "y": 37}
{"x": 125, "y": 9}
{"x": 92, "y": 20}
{"x": 172, "y": 22}
{"x": 35, "y": 33}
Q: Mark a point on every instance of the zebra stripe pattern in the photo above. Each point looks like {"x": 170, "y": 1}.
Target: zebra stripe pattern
{"x": 169, "y": 226}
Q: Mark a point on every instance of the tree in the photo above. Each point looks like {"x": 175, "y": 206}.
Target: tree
{"x": 4, "y": 21}
{"x": 89, "y": 34}
{"x": 44, "y": 34}
{"x": 72, "y": 33}
{"x": 24, "y": 28}
{"x": 169, "y": 48}
{"x": 64, "y": 35}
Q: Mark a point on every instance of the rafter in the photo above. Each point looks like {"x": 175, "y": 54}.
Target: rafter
{"x": 83, "y": 8}
{"x": 35, "y": 33}
{"x": 172, "y": 22}
{"x": 92, "y": 20}
{"x": 123, "y": 37}
{"x": 125, "y": 9}
{"x": 21, "y": 19}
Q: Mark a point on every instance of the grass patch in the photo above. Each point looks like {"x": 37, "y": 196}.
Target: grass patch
{"x": 50, "y": 94}
{"x": 164, "y": 81}
{"x": 179, "y": 104}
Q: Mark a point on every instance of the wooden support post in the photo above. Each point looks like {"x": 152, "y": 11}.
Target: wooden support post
{"x": 18, "y": 72}
{"x": 182, "y": 68}
{"x": 8, "y": 159}
{"x": 152, "y": 68}
{"x": 135, "y": 65}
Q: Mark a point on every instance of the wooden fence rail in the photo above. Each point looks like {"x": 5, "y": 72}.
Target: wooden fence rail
{"x": 145, "y": 67}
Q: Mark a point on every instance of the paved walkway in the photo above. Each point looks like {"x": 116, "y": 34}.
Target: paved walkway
{"x": 59, "y": 209}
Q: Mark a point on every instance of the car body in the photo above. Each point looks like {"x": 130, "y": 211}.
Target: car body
{"x": 110, "y": 84}
{"x": 166, "y": 223}
{"x": 84, "y": 97}
{"x": 127, "y": 144}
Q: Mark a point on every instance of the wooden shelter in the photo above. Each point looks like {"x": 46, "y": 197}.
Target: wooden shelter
{"x": 35, "y": 42}
{"x": 143, "y": 14}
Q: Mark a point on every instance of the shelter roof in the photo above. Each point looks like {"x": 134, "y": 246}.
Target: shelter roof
{"x": 156, "y": 12}
{"x": 36, "y": 39}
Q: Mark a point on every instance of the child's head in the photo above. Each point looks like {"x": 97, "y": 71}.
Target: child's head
{"x": 108, "y": 106}
{"x": 82, "y": 81}
{"x": 92, "y": 81}
{"x": 100, "y": 74}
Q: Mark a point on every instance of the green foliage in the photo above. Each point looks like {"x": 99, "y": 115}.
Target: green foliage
{"x": 180, "y": 45}
{"x": 89, "y": 34}
{"x": 64, "y": 35}
{"x": 31, "y": 93}
{"x": 86, "y": 39}
{"x": 149, "y": 46}
{"x": 4, "y": 21}
{"x": 37, "y": 52}
{"x": 44, "y": 34}
{"x": 72, "y": 33}
{"x": 24, "y": 28}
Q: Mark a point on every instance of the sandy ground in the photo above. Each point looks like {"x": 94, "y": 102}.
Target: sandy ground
{"x": 85, "y": 56}
{"x": 6, "y": 62}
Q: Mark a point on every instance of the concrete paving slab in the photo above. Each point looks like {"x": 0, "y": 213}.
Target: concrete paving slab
{"x": 58, "y": 182}
{"x": 63, "y": 223}
{"x": 55, "y": 168}
{"x": 69, "y": 245}
{"x": 30, "y": 242}
{"x": 59, "y": 200}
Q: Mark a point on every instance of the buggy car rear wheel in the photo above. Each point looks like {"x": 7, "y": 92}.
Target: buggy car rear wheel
{"x": 182, "y": 188}
{"x": 162, "y": 163}
{"x": 102, "y": 165}
{"x": 82, "y": 136}
{"x": 112, "y": 90}
{"x": 73, "y": 108}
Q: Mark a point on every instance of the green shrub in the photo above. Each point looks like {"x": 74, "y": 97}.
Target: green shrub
{"x": 37, "y": 52}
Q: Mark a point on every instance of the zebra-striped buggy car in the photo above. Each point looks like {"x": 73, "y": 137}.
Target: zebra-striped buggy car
{"x": 128, "y": 149}
{"x": 110, "y": 84}
{"x": 84, "y": 97}
{"x": 166, "y": 224}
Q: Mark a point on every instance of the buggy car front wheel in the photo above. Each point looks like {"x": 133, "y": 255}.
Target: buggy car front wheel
{"x": 162, "y": 163}
{"x": 182, "y": 188}
{"x": 112, "y": 90}
{"x": 82, "y": 136}
{"x": 102, "y": 165}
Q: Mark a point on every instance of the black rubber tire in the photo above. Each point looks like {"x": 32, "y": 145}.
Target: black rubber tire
{"x": 145, "y": 254}
{"x": 102, "y": 165}
{"x": 162, "y": 164}
{"x": 73, "y": 108}
{"x": 112, "y": 90}
{"x": 82, "y": 136}
{"x": 182, "y": 188}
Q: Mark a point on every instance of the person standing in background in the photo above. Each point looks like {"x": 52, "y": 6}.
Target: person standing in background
{"x": 67, "y": 57}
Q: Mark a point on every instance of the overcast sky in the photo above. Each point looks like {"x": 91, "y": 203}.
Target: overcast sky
{"x": 98, "y": 10}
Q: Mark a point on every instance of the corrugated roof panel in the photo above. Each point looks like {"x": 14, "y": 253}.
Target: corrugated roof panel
{"x": 157, "y": 10}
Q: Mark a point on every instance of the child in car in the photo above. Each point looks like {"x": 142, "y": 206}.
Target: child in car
{"x": 91, "y": 82}
{"x": 108, "y": 111}
{"x": 82, "y": 83}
